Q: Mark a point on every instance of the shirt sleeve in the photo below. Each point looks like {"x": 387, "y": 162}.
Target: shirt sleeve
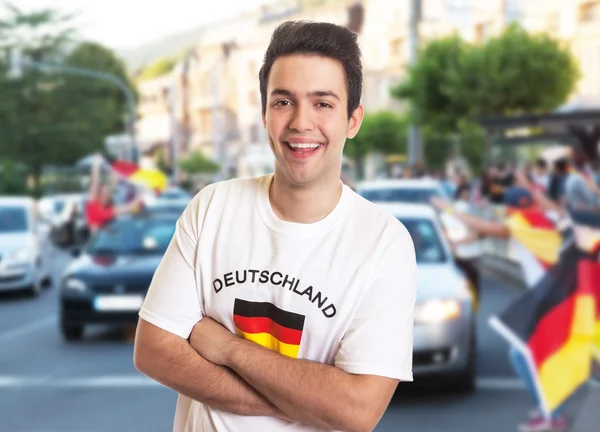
{"x": 173, "y": 300}
{"x": 379, "y": 339}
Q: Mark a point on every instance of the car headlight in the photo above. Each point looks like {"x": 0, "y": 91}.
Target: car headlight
{"x": 436, "y": 311}
{"x": 75, "y": 285}
{"x": 20, "y": 256}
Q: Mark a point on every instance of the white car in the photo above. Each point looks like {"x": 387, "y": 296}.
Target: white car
{"x": 413, "y": 191}
{"x": 445, "y": 333}
{"x": 24, "y": 251}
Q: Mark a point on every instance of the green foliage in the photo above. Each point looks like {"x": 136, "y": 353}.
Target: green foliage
{"x": 48, "y": 117}
{"x": 383, "y": 131}
{"x": 13, "y": 178}
{"x": 454, "y": 83}
{"x": 159, "y": 68}
{"x": 197, "y": 163}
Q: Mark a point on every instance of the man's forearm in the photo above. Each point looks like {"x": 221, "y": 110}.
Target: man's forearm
{"x": 312, "y": 393}
{"x": 175, "y": 364}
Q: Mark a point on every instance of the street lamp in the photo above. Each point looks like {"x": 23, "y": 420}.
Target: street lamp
{"x": 18, "y": 62}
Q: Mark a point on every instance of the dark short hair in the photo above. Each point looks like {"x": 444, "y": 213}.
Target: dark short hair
{"x": 318, "y": 39}
{"x": 561, "y": 165}
{"x": 541, "y": 163}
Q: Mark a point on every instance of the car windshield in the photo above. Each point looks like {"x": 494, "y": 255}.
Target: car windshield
{"x": 13, "y": 219}
{"x": 174, "y": 194}
{"x": 134, "y": 236}
{"x": 404, "y": 195}
{"x": 428, "y": 246}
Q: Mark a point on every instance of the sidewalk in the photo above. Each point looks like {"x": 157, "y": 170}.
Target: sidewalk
{"x": 588, "y": 417}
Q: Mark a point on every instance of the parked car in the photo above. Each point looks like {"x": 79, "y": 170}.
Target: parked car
{"x": 414, "y": 191}
{"x": 109, "y": 278}
{"x": 24, "y": 250}
{"x": 445, "y": 331}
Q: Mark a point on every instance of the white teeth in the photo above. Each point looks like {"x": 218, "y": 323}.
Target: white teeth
{"x": 304, "y": 145}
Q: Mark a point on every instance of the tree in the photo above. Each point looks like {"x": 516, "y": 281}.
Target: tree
{"x": 197, "y": 163}
{"x": 28, "y": 130}
{"x": 383, "y": 131}
{"x": 92, "y": 109}
{"x": 48, "y": 117}
{"x": 454, "y": 83}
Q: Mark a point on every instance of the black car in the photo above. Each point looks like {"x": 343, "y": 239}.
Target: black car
{"x": 108, "y": 281}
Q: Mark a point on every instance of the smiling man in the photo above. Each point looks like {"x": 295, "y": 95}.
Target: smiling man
{"x": 286, "y": 301}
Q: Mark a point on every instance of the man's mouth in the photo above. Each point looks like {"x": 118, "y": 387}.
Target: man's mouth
{"x": 303, "y": 147}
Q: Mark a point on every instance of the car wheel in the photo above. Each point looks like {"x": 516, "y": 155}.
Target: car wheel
{"x": 465, "y": 382}
{"x": 71, "y": 332}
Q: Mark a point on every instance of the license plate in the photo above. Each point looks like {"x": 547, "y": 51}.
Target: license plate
{"x": 118, "y": 303}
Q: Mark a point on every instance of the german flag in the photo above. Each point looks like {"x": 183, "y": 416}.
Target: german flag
{"x": 539, "y": 239}
{"x": 269, "y": 326}
{"x": 149, "y": 178}
{"x": 554, "y": 324}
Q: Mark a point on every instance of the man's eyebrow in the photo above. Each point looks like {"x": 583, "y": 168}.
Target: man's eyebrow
{"x": 323, "y": 93}
{"x": 281, "y": 92}
{"x": 317, "y": 93}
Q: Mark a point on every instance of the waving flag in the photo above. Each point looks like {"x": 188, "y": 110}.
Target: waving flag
{"x": 150, "y": 178}
{"x": 535, "y": 242}
{"x": 555, "y": 324}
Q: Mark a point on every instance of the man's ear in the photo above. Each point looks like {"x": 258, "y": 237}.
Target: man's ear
{"x": 355, "y": 121}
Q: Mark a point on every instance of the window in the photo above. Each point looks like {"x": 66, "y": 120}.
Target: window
{"x": 13, "y": 219}
{"x": 427, "y": 243}
{"x": 589, "y": 12}
{"x": 396, "y": 47}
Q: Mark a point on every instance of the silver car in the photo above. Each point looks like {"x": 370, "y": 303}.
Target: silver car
{"x": 444, "y": 332}
{"x": 24, "y": 258}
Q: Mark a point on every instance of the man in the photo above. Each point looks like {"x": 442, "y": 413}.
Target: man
{"x": 286, "y": 301}
{"x": 99, "y": 210}
{"x": 541, "y": 210}
{"x": 540, "y": 175}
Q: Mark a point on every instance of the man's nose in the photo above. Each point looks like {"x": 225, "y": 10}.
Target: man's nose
{"x": 302, "y": 118}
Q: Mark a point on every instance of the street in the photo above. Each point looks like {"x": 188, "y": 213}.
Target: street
{"x": 48, "y": 385}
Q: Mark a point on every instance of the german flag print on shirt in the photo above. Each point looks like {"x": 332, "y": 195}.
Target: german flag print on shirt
{"x": 267, "y": 325}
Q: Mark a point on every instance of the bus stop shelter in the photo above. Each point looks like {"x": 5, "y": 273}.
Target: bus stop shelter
{"x": 579, "y": 128}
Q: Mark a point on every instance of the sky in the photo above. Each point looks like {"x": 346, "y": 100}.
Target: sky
{"x": 123, "y": 24}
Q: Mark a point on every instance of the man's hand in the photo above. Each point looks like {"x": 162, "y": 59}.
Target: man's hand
{"x": 212, "y": 341}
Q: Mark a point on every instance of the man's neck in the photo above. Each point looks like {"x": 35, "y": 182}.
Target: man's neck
{"x": 304, "y": 204}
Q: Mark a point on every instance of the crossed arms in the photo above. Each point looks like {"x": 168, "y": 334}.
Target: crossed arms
{"x": 228, "y": 373}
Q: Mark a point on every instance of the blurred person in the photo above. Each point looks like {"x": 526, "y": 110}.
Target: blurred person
{"x": 100, "y": 208}
{"x": 540, "y": 175}
{"x": 236, "y": 319}
{"x": 556, "y": 185}
{"x": 580, "y": 190}
{"x": 518, "y": 199}
{"x": 454, "y": 163}
{"x": 467, "y": 246}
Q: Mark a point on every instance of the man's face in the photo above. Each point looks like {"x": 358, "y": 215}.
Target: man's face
{"x": 306, "y": 118}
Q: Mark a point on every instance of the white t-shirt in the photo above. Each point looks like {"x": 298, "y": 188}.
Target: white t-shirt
{"x": 343, "y": 287}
